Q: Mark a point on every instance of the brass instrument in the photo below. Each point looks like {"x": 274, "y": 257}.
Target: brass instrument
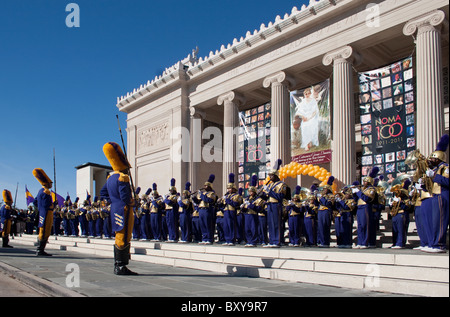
{"x": 396, "y": 204}
{"x": 421, "y": 162}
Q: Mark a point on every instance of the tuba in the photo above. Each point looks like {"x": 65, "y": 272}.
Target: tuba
{"x": 415, "y": 157}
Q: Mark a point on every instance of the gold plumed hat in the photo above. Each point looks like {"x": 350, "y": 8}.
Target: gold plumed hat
{"x": 116, "y": 157}
{"x": 7, "y": 198}
{"x": 42, "y": 177}
{"x": 441, "y": 148}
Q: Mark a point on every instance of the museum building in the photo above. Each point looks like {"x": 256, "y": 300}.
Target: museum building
{"x": 377, "y": 72}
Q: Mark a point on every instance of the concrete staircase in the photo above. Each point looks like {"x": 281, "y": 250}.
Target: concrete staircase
{"x": 405, "y": 271}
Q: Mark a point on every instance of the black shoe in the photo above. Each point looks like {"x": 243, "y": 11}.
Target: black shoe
{"x": 42, "y": 253}
{"x": 123, "y": 270}
{"x": 5, "y": 243}
{"x": 40, "y": 249}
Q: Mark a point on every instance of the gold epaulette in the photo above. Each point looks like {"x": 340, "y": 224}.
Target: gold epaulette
{"x": 124, "y": 178}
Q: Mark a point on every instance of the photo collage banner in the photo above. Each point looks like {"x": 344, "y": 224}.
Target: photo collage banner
{"x": 254, "y": 145}
{"x": 386, "y": 102}
{"x": 310, "y": 124}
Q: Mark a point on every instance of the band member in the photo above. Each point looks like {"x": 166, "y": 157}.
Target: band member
{"x": 251, "y": 207}
{"x": 196, "y": 231}
{"x": 57, "y": 218}
{"x": 240, "y": 225}
{"x": 83, "y": 216}
{"x": 324, "y": 214}
{"x": 6, "y": 218}
{"x": 119, "y": 192}
{"x": 146, "y": 232}
{"x": 65, "y": 216}
{"x": 439, "y": 173}
{"x": 156, "y": 207}
{"x": 381, "y": 201}
{"x": 73, "y": 218}
{"x": 206, "y": 199}
{"x": 400, "y": 212}
{"x": 295, "y": 212}
{"x": 137, "y": 216}
{"x": 345, "y": 205}
{"x": 171, "y": 206}
{"x": 220, "y": 222}
{"x": 311, "y": 207}
{"x": 231, "y": 201}
{"x": 45, "y": 208}
{"x": 185, "y": 210}
{"x": 366, "y": 197}
{"x": 274, "y": 193}
{"x": 105, "y": 214}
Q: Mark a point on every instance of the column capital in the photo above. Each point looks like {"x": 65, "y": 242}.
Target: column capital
{"x": 195, "y": 113}
{"x": 231, "y": 96}
{"x": 341, "y": 54}
{"x": 279, "y": 77}
{"x": 426, "y": 22}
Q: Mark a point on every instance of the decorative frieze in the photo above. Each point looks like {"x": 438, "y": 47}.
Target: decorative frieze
{"x": 153, "y": 138}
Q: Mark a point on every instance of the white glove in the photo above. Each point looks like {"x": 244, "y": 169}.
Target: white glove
{"x": 355, "y": 190}
{"x": 411, "y": 192}
{"x": 418, "y": 185}
{"x": 396, "y": 199}
{"x": 430, "y": 173}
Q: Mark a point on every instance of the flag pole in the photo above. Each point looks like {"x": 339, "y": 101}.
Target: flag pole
{"x": 54, "y": 174}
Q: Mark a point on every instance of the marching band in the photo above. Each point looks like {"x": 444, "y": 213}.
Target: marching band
{"x": 263, "y": 217}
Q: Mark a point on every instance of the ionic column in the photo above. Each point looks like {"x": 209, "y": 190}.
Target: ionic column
{"x": 231, "y": 102}
{"x": 343, "y": 162}
{"x": 429, "y": 101}
{"x": 197, "y": 118}
{"x": 280, "y": 139}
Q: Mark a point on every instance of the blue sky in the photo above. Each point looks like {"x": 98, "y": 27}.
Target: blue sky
{"x": 59, "y": 85}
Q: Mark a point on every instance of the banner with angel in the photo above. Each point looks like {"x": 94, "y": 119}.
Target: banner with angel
{"x": 310, "y": 124}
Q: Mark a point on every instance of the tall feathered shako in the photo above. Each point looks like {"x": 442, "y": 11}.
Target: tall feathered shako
{"x": 210, "y": 180}
{"x": 155, "y": 190}
{"x": 253, "y": 183}
{"x": 231, "y": 181}
{"x": 297, "y": 191}
{"x": 187, "y": 188}
{"x": 441, "y": 148}
{"x": 172, "y": 185}
{"x": 373, "y": 173}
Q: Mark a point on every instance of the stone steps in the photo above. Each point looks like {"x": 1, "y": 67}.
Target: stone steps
{"x": 395, "y": 271}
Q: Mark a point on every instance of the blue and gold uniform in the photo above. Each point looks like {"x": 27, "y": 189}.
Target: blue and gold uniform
{"x": 311, "y": 206}
{"x": 171, "y": 207}
{"x": 120, "y": 194}
{"x": 343, "y": 220}
{"x": 156, "y": 208}
{"x": 400, "y": 214}
{"x": 251, "y": 207}
{"x": 295, "y": 212}
{"x": 324, "y": 214}
{"x": 366, "y": 197}
{"x": 230, "y": 202}
{"x": 440, "y": 201}
{"x": 45, "y": 209}
{"x": 274, "y": 193}
{"x": 185, "y": 211}
{"x": 6, "y": 218}
{"x": 206, "y": 200}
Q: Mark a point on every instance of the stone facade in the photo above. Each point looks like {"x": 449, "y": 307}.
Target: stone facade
{"x": 327, "y": 39}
